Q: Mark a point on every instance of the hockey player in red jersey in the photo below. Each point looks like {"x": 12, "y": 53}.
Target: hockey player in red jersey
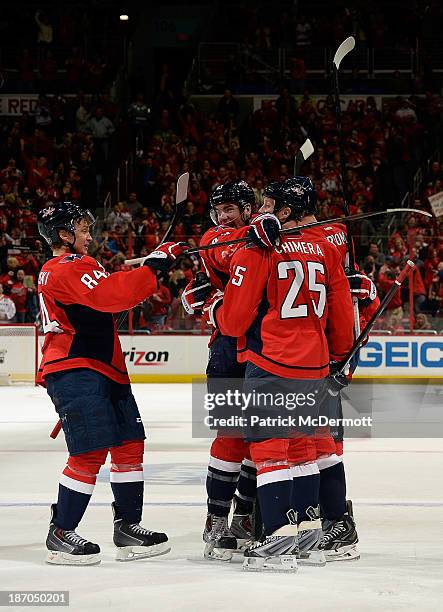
{"x": 84, "y": 371}
{"x": 340, "y": 535}
{"x": 230, "y": 468}
{"x": 291, "y": 310}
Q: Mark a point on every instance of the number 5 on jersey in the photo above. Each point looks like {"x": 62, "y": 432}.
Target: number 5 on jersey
{"x": 237, "y": 277}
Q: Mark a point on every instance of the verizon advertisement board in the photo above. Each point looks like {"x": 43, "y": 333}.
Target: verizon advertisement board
{"x": 158, "y": 357}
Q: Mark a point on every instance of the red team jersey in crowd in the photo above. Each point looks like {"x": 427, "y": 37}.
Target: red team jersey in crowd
{"x": 19, "y": 295}
{"x": 77, "y": 299}
{"x": 290, "y": 307}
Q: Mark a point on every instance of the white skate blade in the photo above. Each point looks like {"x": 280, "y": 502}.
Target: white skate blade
{"x": 56, "y": 557}
{"x": 242, "y": 545}
{"x": 133, "y": 553}
{"x": 346, "y": 553}
{"x": 313, "y": 557}
{"x": 236, "y": 560}
{"x": 281, "y": 563}
{"x": 217, "y": 554}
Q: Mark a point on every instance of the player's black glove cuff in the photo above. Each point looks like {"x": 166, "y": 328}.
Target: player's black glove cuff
{"x": 336, "y": 381}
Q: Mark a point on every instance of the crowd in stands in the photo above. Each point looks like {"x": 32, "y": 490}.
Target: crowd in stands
{"x": 304, "y": 30}
{"x": 63, "y": 148}
{"x": 63, "y": 49}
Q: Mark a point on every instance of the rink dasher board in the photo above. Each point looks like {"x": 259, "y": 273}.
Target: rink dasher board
{"x": 183, "y": 359}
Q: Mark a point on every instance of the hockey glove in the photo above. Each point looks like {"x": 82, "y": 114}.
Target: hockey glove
{"x": 195, "y": 293}
{"x": 265, "y": 231}
{"x": 336, "y": 380}
{"x": 363, "y": 288}
{"x": 211, "y": 305}
{"x": 165, "y": 256}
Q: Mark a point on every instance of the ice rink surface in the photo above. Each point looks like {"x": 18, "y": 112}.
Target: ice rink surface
{"x": 396, "y": 486}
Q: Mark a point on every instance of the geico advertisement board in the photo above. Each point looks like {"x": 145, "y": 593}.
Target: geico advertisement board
{"x": 185, "y": 356}
{"x": 401, "y": 356}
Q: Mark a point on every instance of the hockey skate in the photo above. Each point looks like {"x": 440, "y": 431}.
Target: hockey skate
{"x": 66, "y": 547}
{"x": 241, "y": 525}
{"x": 135, "y": 542}
{"x": 220, "y": 543}
{"x": 276, "y": 553}
{"x": 309, "y": 539}
{"x": 340, "y": 538}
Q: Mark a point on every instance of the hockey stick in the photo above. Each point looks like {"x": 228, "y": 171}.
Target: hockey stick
{"x": 181, "y": 193}
{"x": 346, "y": 47}
{"x": 180, "y": 198}
{"x": 305, "y": 151}
{"x": 297, "y": 230}
{"x": 410, "y": 265}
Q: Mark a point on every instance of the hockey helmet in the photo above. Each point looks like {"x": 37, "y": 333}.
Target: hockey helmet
{"x": 61, "y": 215}
{"x": 275, "y": 191}
{"x": 238, "y": 192}
{"x": 297, "y": 192}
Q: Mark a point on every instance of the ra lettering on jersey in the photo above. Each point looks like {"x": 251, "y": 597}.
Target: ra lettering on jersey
{"x": 77, "y": 301}
{"x": 290, "y": 307}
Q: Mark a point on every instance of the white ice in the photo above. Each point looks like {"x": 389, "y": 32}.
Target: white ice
{"x": 395, "y": 485}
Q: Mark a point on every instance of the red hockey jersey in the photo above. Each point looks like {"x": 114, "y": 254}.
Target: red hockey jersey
{"x": 77, "y": 299}
{"x": 337, "y": 235}
{"x": 291, "y": 307}
{"x": 216, "y": 262}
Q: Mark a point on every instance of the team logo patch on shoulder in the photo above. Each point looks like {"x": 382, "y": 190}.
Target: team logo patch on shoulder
{"x": 71, "y": 258}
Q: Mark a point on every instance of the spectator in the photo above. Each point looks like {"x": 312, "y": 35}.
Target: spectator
{"x": 160, "y": 303}
{"x": 132, "y": 205}
{"x": 422, "y": 322}
{"x": 118, "y": 217}
{"x": 228, "y": 109}
{"x": 395, "y": 307}
{"x": 139, "y": 115}
{"x": 379, "y": 258}
{"x": 303, "y": 32}
{"x": 19, "y": 295}
{"x": 101, "y": 129}
{"x": 7, "y": 308}
{"x": 82, "y": 116}
{"x": 45, "y": 30}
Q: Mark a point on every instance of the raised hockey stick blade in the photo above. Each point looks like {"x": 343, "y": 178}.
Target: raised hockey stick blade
{"x": 305, "y": 151}
{"x": 346, "y": 47}
{"x": 180, "y": 198}
{"x": 410, "y": 265}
